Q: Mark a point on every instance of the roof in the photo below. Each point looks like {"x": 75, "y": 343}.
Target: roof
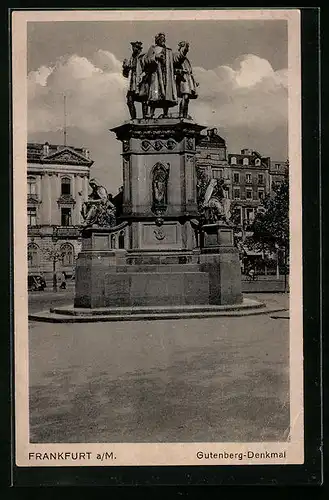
{"x": 54, "y": 153}
{"x": 210, "y": 139}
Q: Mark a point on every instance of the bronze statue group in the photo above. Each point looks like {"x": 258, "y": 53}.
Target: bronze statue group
{"x": 158, "y": 78}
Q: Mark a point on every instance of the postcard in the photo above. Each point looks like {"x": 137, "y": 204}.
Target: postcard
{"x": 157, "y": 237}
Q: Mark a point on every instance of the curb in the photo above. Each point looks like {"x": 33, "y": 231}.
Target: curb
{"x": 49, "y": 317}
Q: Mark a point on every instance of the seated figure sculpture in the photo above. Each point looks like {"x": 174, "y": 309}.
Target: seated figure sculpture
{"x": 216, "y": 204}
{"x": 98, "y": 210}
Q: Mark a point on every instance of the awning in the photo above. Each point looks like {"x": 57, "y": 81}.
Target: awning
{"x": 250, "y": 253}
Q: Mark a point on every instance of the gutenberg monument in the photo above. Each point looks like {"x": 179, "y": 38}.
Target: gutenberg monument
{"x": 171, "y": 252}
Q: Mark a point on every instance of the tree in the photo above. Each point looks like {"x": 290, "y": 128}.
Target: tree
{"x": 271, "y": 224}
{"x": 54, "y": 255}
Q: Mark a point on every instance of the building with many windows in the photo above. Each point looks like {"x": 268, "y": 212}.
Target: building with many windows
{"x": 248, "y": 173}
{"x": 279, "y": 171}
{"x": 250, "y": 183}
{"x": 57, "y": 186}
{"x": 211, "y": 155}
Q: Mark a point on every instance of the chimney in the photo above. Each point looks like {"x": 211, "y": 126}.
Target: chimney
{"x": 86, "y": 153}
{"x": 46, "y": 149}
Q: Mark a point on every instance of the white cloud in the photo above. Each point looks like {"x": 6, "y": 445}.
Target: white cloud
{"x": 247, "y": 98}
{"x": 250, "y": 94}
{"x": 95, "y": 95}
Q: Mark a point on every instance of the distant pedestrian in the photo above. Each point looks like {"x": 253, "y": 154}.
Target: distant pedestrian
{"x": 251, "y": 273}
{"x": 63, "y": 283}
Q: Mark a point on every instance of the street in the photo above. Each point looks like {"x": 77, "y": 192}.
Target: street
{"x": 215, "y": 379}
{"x": 46, "y": 299}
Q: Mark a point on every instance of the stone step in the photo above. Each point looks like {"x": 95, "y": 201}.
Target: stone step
{"x": 49, "y": 317}
{"x": 133, "y": 310}
{"x": 159, "y": 268}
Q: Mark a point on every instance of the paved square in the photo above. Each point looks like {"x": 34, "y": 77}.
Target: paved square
{"x": 216, "y": 379}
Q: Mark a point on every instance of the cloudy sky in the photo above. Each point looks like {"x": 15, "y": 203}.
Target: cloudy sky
{"x": 241, "y": 67}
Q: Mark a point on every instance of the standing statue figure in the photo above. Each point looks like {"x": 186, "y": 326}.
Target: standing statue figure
{"x": 159, "y": 79}
{"x": 160, "y": 177}
{"x": 98, "y": 210}
{"x": 185, "y": 82}
{"x": 216, "y": 201}
{"x": 133, "y": 70}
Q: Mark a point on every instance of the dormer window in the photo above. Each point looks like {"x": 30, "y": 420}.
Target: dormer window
{"x": 233, "y": 160}
{"x": 257, "y": 162}
{"x": 245, "y": 161}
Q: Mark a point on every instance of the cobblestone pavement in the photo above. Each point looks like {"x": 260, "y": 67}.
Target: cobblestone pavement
{"x": 215, "y": 379}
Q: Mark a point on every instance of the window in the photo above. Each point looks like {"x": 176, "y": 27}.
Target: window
{"x": 249, "y": 214}
{"x": 236, "y": 193}
{"x": 257, "y": 162}
{"x": 217, "y": 173}
{"x": 222, "y": 154}
{"x": 248, "y": 178}
{"x": 32, "y": 216}
{"x": 233, "y": 160}
{"x": 249, "y": 194}
{"x": 66, "y": 217}
{"x": 260, "y": 194}
{"x": 33, "y": 255}
{"x": 236, "y": 178}
{"x": 121, "y": 239}
{"x": 31, "y": 185}
{"x": 65, "y": 186}
{"x": 67, "y": 252}
{"x": 277, "y": 166}
{"x": 260, "y": 178}
{"x": 245, "y": 161}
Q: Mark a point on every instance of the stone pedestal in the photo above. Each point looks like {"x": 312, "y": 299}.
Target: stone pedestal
{"x": 107, "y": 277}
{"x": 167, "y": 144}
{"x": 220, "y": 259}
{"x": 161, "y": 264}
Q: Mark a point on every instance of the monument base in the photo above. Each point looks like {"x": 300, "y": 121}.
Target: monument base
{"x": 112, "y": 278}
{"x": 220, "y": 259}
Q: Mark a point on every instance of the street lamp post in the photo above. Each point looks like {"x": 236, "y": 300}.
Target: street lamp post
{"x": 54, "y": 263}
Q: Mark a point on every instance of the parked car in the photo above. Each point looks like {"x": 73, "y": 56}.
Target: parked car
{"x": 36, "y": 282}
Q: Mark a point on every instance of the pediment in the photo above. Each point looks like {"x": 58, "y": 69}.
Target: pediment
{"x": 67, "y": 156}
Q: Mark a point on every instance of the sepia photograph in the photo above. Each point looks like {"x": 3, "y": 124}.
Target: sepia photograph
{"x": 157, "y": 237}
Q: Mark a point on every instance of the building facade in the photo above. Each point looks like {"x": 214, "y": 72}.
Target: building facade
{"x": 211, "y": 155}
{"x": 250, "y": 183}
{"x": 248, "y": 174}
{"x": 279, "y": 171}
{"x": 57, "y": 186}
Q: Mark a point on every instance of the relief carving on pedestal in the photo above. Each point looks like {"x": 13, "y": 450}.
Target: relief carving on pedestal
{"x": 157, "y": 145}
{"x": 159, "y": 234}
{"x": 145, "y": 145}
{"x": 171, "y": 144}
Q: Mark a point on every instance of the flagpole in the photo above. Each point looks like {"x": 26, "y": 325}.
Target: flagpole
{"x": 65, "y": 120}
